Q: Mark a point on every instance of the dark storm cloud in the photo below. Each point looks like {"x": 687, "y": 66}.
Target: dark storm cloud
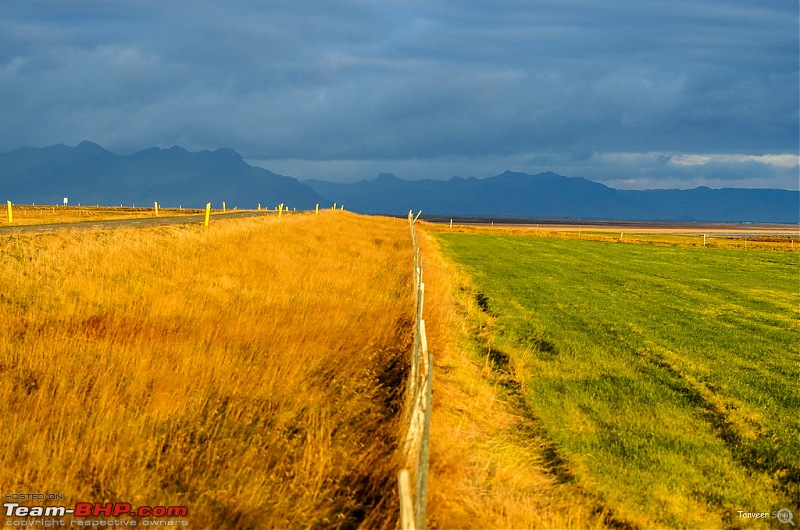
{"x": 487, "y": 82}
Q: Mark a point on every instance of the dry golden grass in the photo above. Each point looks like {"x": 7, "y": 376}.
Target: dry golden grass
{"x": 491, "y": 466}
{"x": 249, "y": 371}
{"x": 36, "y": 215}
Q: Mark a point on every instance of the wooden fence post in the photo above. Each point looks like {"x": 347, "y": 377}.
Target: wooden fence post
{"x": 208, "y": 213}
{"x": 406, "y": 506}
{"x": 423, "y": 347}
{"x": 421, "y": 489}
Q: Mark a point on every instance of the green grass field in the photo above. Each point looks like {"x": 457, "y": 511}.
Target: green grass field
{"x": 667, "y": 377}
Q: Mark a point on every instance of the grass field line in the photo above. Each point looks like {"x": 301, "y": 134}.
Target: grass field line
{"x": 665, "y": 228}
{"x": 783, "y": 237}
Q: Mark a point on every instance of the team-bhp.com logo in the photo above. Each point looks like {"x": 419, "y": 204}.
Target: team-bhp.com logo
{"x": 111, "y": 514}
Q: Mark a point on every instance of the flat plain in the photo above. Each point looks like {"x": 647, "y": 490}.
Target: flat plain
{"x": 665, "y": 375}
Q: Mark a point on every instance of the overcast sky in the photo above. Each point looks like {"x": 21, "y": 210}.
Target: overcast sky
{"x": 632, "y": 93}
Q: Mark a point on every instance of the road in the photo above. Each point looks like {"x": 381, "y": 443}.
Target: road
{"x": 121, "y": 223}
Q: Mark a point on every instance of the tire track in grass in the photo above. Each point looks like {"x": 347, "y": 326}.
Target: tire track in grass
{"x": 735, "y": 424}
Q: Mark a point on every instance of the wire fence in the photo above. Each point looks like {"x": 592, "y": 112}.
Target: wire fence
{"x": 417, "y": 411}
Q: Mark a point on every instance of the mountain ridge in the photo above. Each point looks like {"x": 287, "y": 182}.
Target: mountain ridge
{"x": 548, "y": 194}
{"x": 89, "y": 174}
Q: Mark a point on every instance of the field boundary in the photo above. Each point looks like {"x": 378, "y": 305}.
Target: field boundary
{"x": 777, "y": 238}
{"x": 417, "y": 411}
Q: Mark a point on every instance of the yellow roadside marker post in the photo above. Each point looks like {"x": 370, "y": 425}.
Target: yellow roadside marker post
{"x": 208, "y": 213}
{"x": 316, "y": 209}
{"x": 10, "y": 214}
{"x": 156, "y": 207}
{"x": 280, "y": 210}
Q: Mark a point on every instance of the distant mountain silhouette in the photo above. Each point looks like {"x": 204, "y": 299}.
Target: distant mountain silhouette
{"x": 548, "y": 195}
{"x": 89, "y": 174}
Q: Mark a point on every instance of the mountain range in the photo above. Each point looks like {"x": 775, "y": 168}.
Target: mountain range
{"x": 548, "y": 195}
{"x": 89, "y": 174}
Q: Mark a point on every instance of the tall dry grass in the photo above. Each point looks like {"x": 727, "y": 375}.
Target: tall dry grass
{"x": 249, "y": 371}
